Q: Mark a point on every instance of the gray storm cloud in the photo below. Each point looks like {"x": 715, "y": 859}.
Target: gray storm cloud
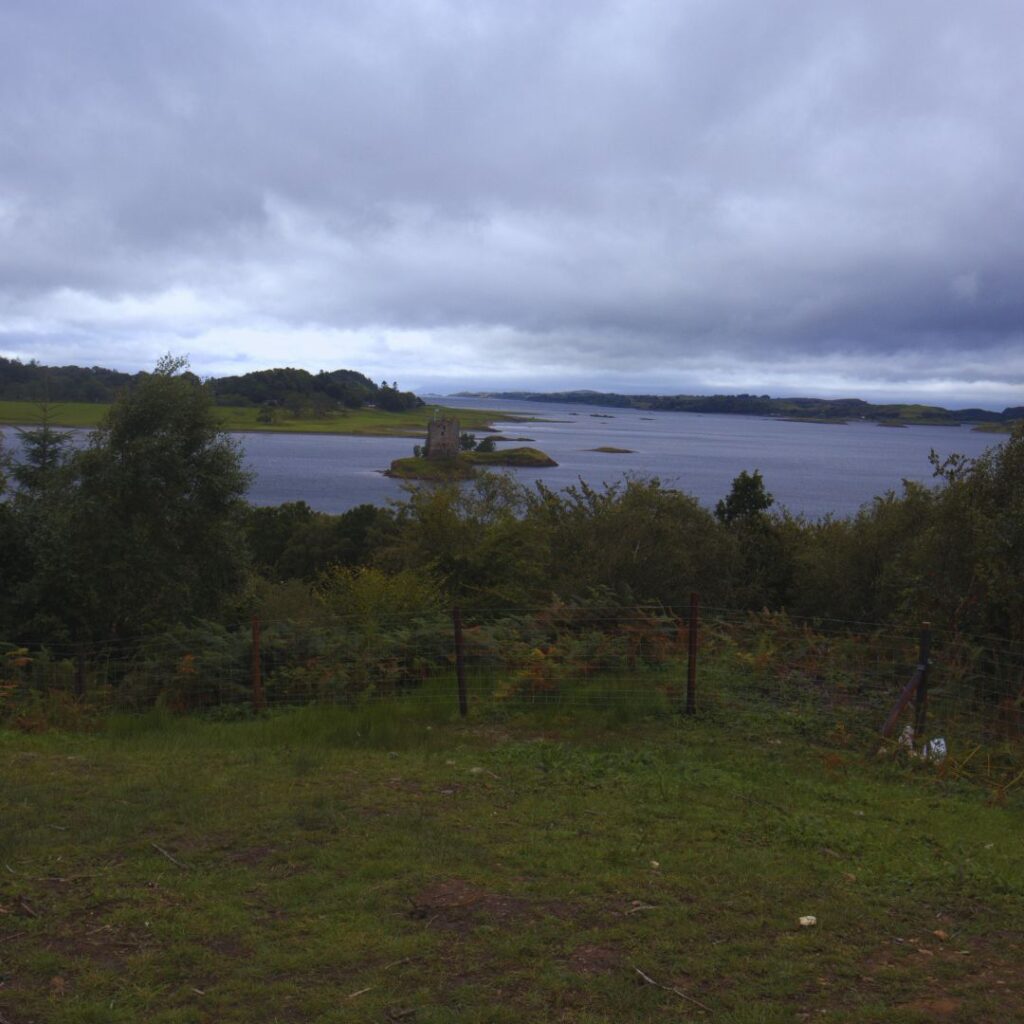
{"x": 680, "y": 195}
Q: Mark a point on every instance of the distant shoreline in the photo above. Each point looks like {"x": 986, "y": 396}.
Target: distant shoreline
{"x": 831, "y": 411}
{"x": 411, "y": 423}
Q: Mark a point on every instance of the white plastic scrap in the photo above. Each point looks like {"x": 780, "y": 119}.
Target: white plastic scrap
{"x": 933, "y": 750}
{"x": 809, "y": 921}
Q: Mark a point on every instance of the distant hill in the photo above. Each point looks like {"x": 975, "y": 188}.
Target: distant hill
{"x": 287, "y": 388}
{"x": 833, "y": 410}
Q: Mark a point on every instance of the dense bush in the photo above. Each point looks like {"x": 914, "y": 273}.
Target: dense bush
{"x": 145, "y": 529}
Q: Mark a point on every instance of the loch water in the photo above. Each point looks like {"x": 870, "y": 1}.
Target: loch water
{"x": 811, "y": 468}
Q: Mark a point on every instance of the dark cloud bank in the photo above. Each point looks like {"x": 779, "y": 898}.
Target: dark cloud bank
{"x": 683, "y": 196}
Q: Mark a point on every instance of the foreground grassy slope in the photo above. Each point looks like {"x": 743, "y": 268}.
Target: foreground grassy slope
{"x": 369, "y": 422}
{"x": 391, "y": 864}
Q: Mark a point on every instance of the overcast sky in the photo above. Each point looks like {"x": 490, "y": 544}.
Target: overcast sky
{"x": 795, "y": 197}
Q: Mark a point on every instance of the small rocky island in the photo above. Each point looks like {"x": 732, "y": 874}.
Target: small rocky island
{"x": 451, "y": 455}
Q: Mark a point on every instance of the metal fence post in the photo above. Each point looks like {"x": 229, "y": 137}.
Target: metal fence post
{"x": 460, "y": 662}
{"x": 691, "y": 666}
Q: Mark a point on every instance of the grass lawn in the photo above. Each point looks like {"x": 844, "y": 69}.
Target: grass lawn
{"x": 369, "y": 422}
{"x": 395, "y": 864}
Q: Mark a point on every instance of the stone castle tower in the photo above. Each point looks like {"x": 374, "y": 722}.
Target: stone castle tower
{"x": 442, "y": 438}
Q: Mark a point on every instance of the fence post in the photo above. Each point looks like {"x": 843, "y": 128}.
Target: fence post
{"x": 921, "y": 702}
{"x": 80, "y": 675}
{"x": 691, "y": 667}
{"x": 259, "y": 702}
{"x": 460, "y": 662}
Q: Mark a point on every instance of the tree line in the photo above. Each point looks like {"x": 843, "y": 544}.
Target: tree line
{"x": 298, "y": 392}
{"x": 829, "y": 409}
{"x": 147, "y": 526}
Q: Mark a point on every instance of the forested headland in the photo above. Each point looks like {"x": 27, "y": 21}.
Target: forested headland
{"x": 279, "y": 391}
{"x": 828, "y": 410}
{"x": 148, "y": 527}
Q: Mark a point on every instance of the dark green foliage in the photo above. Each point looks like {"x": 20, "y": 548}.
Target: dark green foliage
{"x": 747, "y": 500}
{"x": 497, "y": 543}
{"x": 269, "y": 530}
{"x": 474, "y": 539}
{"x": 970, "y": 555}
{"x": 636, "y": 538}
{"x": 952, "y": 554}
{"x": 392, "y": 400}
{"x": 44, "y": 450}
{"x": 5, "y": 467}
{"x": 145, "y": 528}
{"x": 267, "y": 414}
{"x": 138, "y": 530}
{"x": 158, "y": 507}
{"x": 307, "y": 393}
{"x": 291, "y": 541}
{"x": 764, "y": 570}
{"x": 35, "y": 383}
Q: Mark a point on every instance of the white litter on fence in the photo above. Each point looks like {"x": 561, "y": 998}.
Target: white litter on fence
{"x": 933, "y": 750}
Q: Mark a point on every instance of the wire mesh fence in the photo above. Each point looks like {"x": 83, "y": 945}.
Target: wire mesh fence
{"x": 820, "y": 676}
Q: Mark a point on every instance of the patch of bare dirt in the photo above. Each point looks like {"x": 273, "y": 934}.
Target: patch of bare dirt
{"x": 102, "y": 945}
{"x": 943, "y": 1008}
{"x": 462, "y": 906}
{"x": 228, "y": 946}
{"x": 952, "y": 972}
{"x": 251, "y": 855}
{"x": 589, "y": 960}
{"x": 405, "y": 786}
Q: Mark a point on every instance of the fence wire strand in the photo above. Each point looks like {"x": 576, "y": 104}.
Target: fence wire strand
{"x": 825, "y": 674}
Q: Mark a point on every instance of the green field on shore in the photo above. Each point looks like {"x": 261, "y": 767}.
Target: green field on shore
{"x": 369, "y": 422}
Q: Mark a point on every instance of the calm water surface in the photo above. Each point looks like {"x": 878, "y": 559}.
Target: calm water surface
{"x": 811, "y": 468}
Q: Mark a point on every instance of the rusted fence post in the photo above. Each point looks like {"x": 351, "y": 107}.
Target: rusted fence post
{"x": 691, "y": 662}
{"x": 259, "y": 701}
{"x": 921, "y": 703}
{"x": 460, "y": 662}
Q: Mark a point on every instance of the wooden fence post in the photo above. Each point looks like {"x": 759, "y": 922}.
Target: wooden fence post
{"x": 259, "y": 702}
{"x": 691, "y": 667}
{"x": 460, "y": 662}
